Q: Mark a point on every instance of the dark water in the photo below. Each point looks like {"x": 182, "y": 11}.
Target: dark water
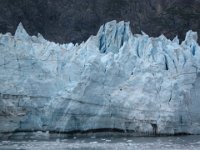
{"x": 111, "y": 143}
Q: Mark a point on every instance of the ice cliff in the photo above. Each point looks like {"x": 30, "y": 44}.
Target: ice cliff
{"x": 114, "y": 80}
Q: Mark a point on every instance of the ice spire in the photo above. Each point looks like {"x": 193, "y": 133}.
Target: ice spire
{"x": 21, "y": 33}
{"x": 190, "y": 36}
{"x": 112, "y": 36}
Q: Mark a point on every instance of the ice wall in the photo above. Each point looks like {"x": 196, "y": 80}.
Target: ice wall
{"x": 114, "y": 80}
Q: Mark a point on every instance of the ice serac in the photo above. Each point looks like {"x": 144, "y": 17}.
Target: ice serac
{"x": 114, "y": 80}
{"x": 113, "y": 35}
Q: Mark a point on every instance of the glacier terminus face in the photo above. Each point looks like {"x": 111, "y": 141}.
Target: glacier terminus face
{"x": 114, "y": 80}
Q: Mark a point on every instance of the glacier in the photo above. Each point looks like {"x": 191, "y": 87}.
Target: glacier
{"x": 114, "y": 80}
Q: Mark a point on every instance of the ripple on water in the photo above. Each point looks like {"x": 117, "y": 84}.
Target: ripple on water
{"x": 159, "y": 143}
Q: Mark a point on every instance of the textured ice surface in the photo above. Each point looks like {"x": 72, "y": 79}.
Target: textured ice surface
{"x": 114, "y": 80}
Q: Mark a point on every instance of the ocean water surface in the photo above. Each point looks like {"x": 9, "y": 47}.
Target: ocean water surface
{"x": 43, "y": 142}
